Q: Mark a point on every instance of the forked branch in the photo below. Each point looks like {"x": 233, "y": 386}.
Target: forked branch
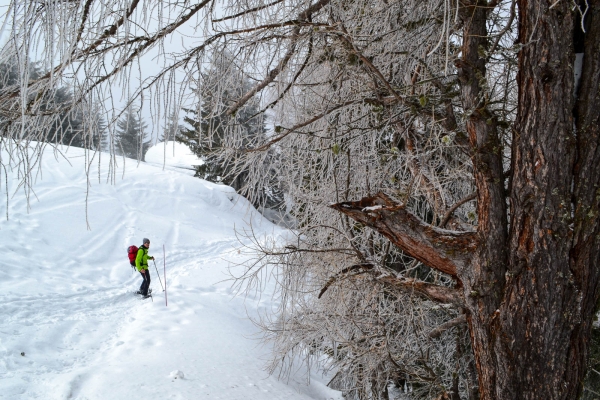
{"x": 443, "y": 250}
{"x": 451, "y": 210}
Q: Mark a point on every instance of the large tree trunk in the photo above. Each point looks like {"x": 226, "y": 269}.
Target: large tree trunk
{"x": 539, "y": 309}
{"x": 530, "y": 287}
{"x": 552, "y": 279}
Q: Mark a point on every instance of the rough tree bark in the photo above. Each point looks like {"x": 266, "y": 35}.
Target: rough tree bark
{"x": 531, "y": 285}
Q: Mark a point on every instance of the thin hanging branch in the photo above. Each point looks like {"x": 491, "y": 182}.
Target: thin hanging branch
{"x": 305, "y": 15}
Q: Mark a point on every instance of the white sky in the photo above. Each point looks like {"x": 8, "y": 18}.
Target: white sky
{"x": 148, "y": 65}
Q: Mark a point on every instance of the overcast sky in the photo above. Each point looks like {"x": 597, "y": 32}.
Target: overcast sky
{"x": 149, "y": 65}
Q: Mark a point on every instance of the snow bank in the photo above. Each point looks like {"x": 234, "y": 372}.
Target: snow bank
{"x": 172, "y": 155}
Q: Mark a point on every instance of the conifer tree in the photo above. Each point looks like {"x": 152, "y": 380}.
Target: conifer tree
{"x": 64, "y": 124}
{"x": 99, "y": 136}
{"x": 130, "y": 136}
{"x": 209, "y": 131}
{"x": 67, "y": 127}
{"x": 172, "y": 129}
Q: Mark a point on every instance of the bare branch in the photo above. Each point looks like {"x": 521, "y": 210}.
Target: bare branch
{"x": 443, "y": 250}
{"x": 437, "y": 332}
{"x": 298, "y": 126}
{"x": 249, "y": 11}
{"x": 277, "y": 70}
{"x": 451, "y": 210}
{"x": 344, "y": 271}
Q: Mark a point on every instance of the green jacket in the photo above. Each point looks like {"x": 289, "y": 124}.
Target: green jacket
{"x": 141, "y": 260}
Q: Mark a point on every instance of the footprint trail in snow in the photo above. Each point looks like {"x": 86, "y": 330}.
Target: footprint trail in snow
{"x": 70, "y": 325}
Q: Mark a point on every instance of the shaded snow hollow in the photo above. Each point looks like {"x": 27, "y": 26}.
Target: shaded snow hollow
{"x": 70, "y": 325}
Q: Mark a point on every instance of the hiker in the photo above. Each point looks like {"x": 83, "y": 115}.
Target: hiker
{"x": 141, "y": 263}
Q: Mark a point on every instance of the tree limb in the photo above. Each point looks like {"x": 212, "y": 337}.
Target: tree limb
{"x": 443, "y": 250}
{"x": 437, "y": 293}
{"x": 451, "y": 210}
{"x": 437, "y": 332}
{"x": 441, "y": 294}
{"x": 288, "y": 55}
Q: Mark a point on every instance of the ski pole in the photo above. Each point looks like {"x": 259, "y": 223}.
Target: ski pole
{"x": 165, "y": 271}
{"x": 161, "y": 285}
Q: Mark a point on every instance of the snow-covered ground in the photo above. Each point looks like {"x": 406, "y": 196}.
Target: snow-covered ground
{"x": 173, "y": 155}
{"x": 70, "y": 325}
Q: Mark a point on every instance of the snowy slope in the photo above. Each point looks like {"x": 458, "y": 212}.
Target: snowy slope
{"x": 173, "y": 155}
{"x": 66, "y": 296}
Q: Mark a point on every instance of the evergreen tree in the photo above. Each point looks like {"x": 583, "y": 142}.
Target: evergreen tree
{"x": 172, "y": 129}
{"x": 67, "y": 126}
{"x": 99, "y": 135}
{"x": 63, "y": 123}
{"x": 72, "y": 129}
{"x": 9, "y": 74}
{"x": 204, "y": 135}
{"x": 208, "y": 132}
{"x": 130, "y": 136}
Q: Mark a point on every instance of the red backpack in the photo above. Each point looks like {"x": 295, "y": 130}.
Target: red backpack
{"x": 132, "y": 253}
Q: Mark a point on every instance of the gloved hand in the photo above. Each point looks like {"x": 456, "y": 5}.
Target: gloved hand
{"x": 152, "y": 258}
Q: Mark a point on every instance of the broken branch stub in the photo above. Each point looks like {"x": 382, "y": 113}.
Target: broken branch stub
{"x": 444, "y": 250}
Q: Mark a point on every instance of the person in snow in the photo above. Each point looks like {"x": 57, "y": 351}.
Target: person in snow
{"x": 141, "y": 263}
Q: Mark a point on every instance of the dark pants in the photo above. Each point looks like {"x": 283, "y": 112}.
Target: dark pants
{"x": 145, "y": 283}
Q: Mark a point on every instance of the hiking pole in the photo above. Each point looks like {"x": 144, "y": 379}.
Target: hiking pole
{"x": 165, "y": 271}
{"x": 158, "y": 276}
